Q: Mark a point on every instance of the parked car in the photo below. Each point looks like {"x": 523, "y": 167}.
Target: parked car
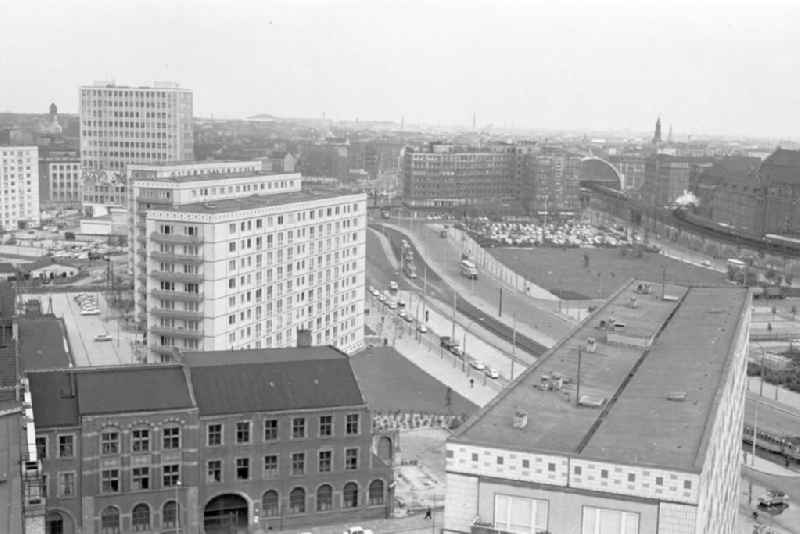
{"x": 357, "y": 530}
{"x": 480, "y": 366}
{"x": 91, "y": 311}
{"x": 421, "y": 328}
{"x": 393, "y": 285}
{"x": 773, "y": 498}
{"x": 492, "y": 373}
{"x": 103, "y": 337}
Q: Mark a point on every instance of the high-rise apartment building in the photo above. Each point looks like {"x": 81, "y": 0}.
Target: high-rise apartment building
{"x": 227, "y": 256}
{"x": 123, "y": 124}
{"x": 632, "y": 424}
{"x": 19, "y": 186}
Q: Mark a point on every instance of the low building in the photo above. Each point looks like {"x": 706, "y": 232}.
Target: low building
{"x": 270, "y": 439}
{"x": 631, "y": 424}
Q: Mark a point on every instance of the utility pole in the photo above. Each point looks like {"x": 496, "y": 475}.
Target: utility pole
{"x": 500, "y": 305}
{"x": 663, "y": 281}
{"x": 755, "y": 408}
{"x": 453, "y": 331}
{"x": 513, "y": 346}
{"x": 578, "y": 381}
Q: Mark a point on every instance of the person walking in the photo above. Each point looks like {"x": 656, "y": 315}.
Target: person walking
{"x": 428, "y": 513}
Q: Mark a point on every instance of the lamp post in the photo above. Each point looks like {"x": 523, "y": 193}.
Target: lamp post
{"x": 177, "y": 508}
{"x": 755, "y": 407}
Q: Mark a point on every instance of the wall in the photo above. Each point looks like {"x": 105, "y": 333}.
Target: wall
{"x": 408, "y": 420}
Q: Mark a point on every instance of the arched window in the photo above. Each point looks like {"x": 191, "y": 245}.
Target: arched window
{"x": 376, "y": 492}
{"x": 269, "y": 504}
{"x": 297, "y": 501}
{"x": 169, "y": 516}
{"x": 140, "y": 518}
{"x": 109, "y": 520}
{"x": 324, "y": 498}
{"x": 55, "y": 523}
{"x": 350, "y": 495}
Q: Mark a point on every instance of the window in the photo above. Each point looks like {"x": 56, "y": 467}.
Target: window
{"x": 299, "y": 427}
{"x": 109, "y": 480}
{"x": 604, "y": 521}
{"x": 170, "y": 475}
{"x": 109, "y": 520}
{"x": 271, "y": 466}
{"x": 140, "y": 518}
{"x": 171, "y": 437}
{"x": 518, "y": 514}
{"x": 140, "y": 478}
{"x": 243, "y": 432}
{"x": 109, "y": 442}
{"x": 269, "y": 504}
{"x": 298, "y": 463}
{"x": 351, "y": 459}
{"x": 376, "y": 492}
{"x": 169, "y": 515}
{"x": 65, "y": 446}
{"x": 659, "y": 481}
{"x": 214, "y": 434}
{"x": 326, "y": 425}
{"x": 324, "y": 498}
{"x": 500, "y": 460}
{"x": 631, "y": 477}
{"x": 577, "y": 470}
{"x": 140, "y": 440}
{"x": 526, "y": 464}
{"x": 66, "y": 485}
{"x": 242, "y": 468}
{"x": 604, "y": 473}
{"x": 352, "y": 424}
{"x": 324, "y": 464}
{"x": 350, "y": 495}
{"x": 551, "y": 467}
{"x": 297, "y": 501}
{"x": 214, "y": 471}
{"x": 687, "y": 484}
{"x": 41, "y": 447}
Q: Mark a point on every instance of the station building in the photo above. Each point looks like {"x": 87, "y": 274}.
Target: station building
{"x": 632, "y": 424}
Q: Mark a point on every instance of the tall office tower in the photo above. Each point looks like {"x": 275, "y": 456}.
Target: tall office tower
{"x": 123, "y": 124}
{"x": 227, "y": 256}
{"x": 19, "y": 186}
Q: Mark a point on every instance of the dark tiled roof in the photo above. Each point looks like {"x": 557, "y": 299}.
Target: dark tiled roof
{"x": 132, "y": 389}
{"x": 53, "y": 405}
{"x": 42, "y": 344}
{"x": 782, "y": 166}
{"x": 272, "y": 380}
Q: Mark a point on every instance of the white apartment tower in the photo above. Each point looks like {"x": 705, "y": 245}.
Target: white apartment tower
{"x": 227, "y": 256}
{"x": 19, "y": 186}
{"x": 122, "y": 125}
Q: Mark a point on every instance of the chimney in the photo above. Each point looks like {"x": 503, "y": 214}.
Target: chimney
{"x": 303, "y": 337}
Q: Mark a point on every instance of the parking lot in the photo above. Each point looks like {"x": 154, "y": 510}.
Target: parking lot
{"x": 82, "y": 330}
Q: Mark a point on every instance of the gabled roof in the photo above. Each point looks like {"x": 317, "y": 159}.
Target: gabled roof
{"x": 227, "y": 382}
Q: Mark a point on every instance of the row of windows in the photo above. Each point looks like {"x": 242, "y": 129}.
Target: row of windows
{"x": 141, "y": 520}
{"x": 142, "y": 478}
{"x": 298, "y": 465}
{"x": 270, "y": 502}
{"x": 141, "y": 440}
{"x": 243, "y": 431}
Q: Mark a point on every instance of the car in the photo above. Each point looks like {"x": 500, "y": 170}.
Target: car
{"x": 407, "y": 318}
{"x": 382, "y": 298}
{"x": 103, "y": 337}
{"x": 480, "y": 366}
{"x": 401, "y": 303}
{"x": 357, "y": 530}
{"x": 393, "y": 285}
{"x": 773, "y": 498}
{"x": 91, "y": 311}
{"x": 422, "y": 328}
{"x": 392, "y": 305}
{"x": 705, "y": 263}
{"x": 492, "y": 373}
{"x": 371, "y": 290}
{"x": 402, "y": 314}
{"x": 455, "y": 349}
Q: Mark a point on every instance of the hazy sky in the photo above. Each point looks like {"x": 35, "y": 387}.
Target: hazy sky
{"x": 710, "y": 67}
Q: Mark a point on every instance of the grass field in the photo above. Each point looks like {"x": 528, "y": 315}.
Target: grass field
{"x": 562, "y": 271}
{"x": 391, "y": 383}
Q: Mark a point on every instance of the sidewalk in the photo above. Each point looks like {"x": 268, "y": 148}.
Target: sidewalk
{"x": 410, "y": 524}
{"x": 763, "y": 465}
{"x": 539, "y": 324}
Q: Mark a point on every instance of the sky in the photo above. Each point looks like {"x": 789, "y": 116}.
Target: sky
{"x": 710, "y": 67}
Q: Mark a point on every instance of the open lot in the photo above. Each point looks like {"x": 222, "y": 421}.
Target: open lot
{"x": 391, "y": 383}
{"x": 563, "y": 271}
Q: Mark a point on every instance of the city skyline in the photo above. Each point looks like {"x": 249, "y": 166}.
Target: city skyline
{"x": 610, "y": 66}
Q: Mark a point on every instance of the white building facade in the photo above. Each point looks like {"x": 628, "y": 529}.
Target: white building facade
{"x": 19, "y": 186}
{"x": 65, "y": 182}
{"x": 226, "y": 256}
{"x": 124, "y": 124}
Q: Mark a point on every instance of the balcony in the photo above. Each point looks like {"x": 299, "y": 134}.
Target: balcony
{"x": 183, "y": 296}
{"x": 177, "y": 277}
{"x": 177, "y": 314}
{"x": 177, "y": 258}
{"x": 175, "y": 238}
{"x": 177, "y": 331}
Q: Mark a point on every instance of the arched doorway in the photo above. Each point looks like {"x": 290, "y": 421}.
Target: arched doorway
{"x": 58, "y": 523}
{"x": 225, "y": 514}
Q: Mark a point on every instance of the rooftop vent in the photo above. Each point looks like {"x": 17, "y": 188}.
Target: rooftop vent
{"x": 591, "y": 402}
{"x": 677, "y": 396}
{"x": 520, "y": 419}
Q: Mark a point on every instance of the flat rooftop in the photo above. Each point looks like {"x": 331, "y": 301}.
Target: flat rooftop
{"x": 648, "y": 349}
{"x": 255, "y": 201}
{"x": 11, "y": 488}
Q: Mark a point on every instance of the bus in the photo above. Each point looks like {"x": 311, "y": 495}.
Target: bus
{"x": 469, "y": 269}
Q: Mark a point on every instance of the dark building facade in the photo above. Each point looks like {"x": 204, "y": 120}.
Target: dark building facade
{"x": 224, "y": 441}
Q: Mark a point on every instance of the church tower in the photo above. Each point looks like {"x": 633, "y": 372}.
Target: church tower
{"x": 657, "y": 134}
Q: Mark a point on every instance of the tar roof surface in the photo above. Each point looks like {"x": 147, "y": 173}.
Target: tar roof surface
{"x": 272, "y": 380}
{"x": 42, "y": 344}
{"x": 255, "y": 201}
{"x": 637, "y": 423}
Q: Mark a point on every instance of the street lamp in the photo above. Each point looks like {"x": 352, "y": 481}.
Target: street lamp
{"x": 177, "y": 508}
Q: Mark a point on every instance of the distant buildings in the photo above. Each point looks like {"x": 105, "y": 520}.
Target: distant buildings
{"x": 632, "y": 424}
{"x": 124, "y": 124}
{"x": 227, "y": 256}
{"x": 261, "y": 439}
{"x": 60, "y": 177}
{"x": 667, "y": 177}
{"x": 328, "y": 159}
{"x": 19, "y": 186}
